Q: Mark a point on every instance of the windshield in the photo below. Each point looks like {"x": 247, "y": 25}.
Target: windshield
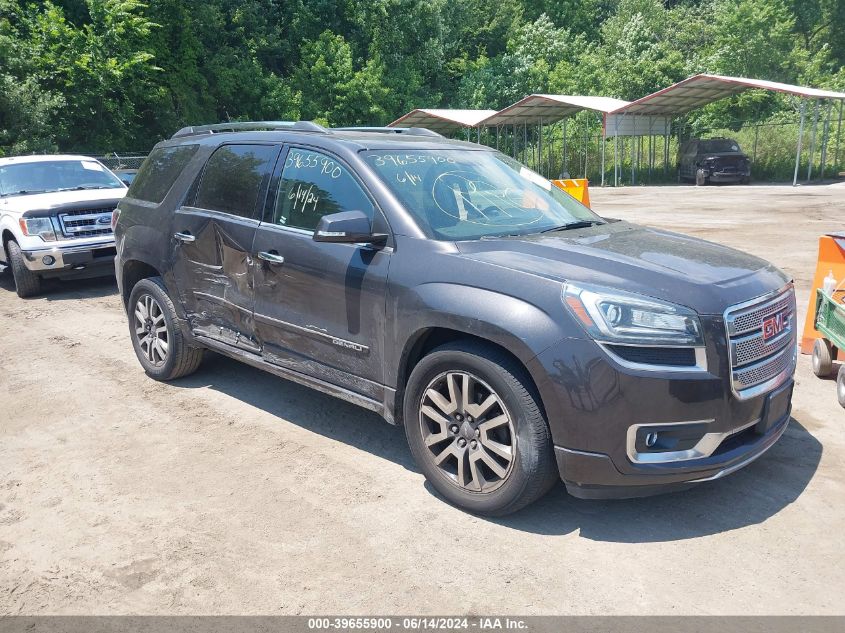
{"x": 55, "y": 175}
{"x": 467, "y": 195}
{"x": 719, "y": 145}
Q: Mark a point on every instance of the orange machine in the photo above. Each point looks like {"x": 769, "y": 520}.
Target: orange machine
{"x": 577, "y": 188}
{"x": 831, "y": 258}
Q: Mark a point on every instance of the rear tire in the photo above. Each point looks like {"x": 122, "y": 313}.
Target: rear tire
{"x": 840, "y": 385}
{"x": 490, "y": 453}
{"x": 27, "y": 283}
{"x": 822, "y": 358}
{"x": 156, "y": 337}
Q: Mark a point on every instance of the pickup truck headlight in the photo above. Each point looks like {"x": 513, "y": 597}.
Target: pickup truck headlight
{"x": 616, "y": 316}
{"x": 40, "y": 227}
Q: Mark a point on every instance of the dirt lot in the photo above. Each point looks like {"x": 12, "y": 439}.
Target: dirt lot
{"x": 235, "y": 492}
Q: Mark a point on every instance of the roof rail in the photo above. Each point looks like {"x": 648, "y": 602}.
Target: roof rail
{"x": 250, "y": 126}
{"x": 413, "y": 131}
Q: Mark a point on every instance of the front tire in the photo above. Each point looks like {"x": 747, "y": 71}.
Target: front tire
{"x": 822, "y": 358}
{"x": 27, "y": 283}
{"x": 477, "y": 431}
{"x": 840, "y": 385}
{"x": 157, "y": 339}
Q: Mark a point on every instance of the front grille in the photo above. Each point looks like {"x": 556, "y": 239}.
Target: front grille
{"x": 86, "y": 222}
{"x": 756, "y": 363}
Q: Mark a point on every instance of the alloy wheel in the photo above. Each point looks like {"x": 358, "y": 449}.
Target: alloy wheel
{"x": 151, "y": 330}
{"x": 468, "y": 431}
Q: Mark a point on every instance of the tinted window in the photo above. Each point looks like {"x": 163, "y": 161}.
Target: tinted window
{"x": 160, "y": 171}
{"x": 233, "y": 178}
{"x": 314, "y": 185}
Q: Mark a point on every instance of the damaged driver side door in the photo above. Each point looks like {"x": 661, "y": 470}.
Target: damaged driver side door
{"x": 213, "y": 236}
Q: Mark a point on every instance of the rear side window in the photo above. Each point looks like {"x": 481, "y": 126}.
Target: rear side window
{"x": 160, "y": 171}
{"x": 233, "y": 178}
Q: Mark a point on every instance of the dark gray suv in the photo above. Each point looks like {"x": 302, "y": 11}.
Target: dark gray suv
{"x": 516, "y": 335}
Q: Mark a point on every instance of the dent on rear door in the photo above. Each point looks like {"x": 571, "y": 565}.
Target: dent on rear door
{"x": 217, "y": 277}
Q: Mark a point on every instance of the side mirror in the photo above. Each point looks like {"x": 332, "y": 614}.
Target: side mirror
{"x": 348, "y": 227}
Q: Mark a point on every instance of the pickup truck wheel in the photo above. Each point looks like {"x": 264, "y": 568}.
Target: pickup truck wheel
{"x": 156, "y": 337}
{"x": 822, "y": 358}
{"x": 27, "y": 283}
{"x": 477, "y": 431}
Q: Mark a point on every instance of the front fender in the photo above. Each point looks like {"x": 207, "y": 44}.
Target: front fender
{"x": 519, "y": 326}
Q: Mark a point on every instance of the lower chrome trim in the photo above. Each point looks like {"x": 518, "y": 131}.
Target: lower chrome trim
{"x": 705, "y": 447}
{"x": 745, "y": 462}
{"x": 308, "y": 381}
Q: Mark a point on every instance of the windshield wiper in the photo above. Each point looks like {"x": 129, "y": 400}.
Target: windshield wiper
{"x": 83, "y": 188}
{"x": 22, "y": 192}
{"x": 580, "y": 224}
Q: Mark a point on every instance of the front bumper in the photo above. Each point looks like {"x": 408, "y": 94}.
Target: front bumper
{"x": 733, "y": 175}
{"x": 595, "y": 406}
{"x": 605, "y": 481}
{"x": 73, "y": 259}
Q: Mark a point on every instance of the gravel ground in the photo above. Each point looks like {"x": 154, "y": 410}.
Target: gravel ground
{"x": 236, "y": 492}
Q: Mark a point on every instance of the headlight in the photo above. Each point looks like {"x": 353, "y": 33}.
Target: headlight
{"x": 615, "y": 316}
{"x": 40, "y": 227}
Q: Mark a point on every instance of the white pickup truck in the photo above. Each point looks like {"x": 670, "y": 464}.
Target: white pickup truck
{"x": 55, "y": 218}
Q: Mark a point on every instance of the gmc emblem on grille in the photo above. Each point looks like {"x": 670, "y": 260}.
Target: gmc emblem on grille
{"x": 774, "y": 325}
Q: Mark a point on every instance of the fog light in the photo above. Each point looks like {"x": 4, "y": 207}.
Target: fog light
{"x": 48, "y": 260}
{"x": 651, "y": 439}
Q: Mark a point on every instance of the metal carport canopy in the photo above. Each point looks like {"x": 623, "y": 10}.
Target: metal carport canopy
{"x": 442, "y": 120}
{"x": 540, "y": 108}
{"x": 699, "y": 90}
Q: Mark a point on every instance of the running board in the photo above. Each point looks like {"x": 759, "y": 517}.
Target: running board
{"x": 294, "y": 376}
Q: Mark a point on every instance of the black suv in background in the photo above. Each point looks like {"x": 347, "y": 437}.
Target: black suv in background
{"x": 517, "y": 336}
{"x": 713, "y": 160}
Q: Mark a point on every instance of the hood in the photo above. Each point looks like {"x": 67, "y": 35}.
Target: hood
{"x": 60, "y": 199}
{"x": 704, "y": 276}
{"x": 724, "y": 155}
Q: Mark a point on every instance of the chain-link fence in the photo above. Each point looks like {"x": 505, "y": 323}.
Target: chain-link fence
{"x": 114, "y": 161}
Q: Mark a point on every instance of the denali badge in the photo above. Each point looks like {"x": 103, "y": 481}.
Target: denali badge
{"x": 774, "y": 325}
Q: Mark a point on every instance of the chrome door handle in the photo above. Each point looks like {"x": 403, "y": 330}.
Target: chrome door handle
{"x": 185, "y": 238}
{"x": 273, "y": 258}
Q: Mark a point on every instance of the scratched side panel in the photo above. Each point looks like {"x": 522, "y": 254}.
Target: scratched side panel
{"x": 322, "y": 312}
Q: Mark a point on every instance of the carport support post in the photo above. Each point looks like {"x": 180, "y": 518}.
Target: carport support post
{"x": 633, "y": 149}
{"x": 838, "y": 133}
{"x": 525, "y": 142}
{"x": 540, "y": 149}
{"x": 813, "y": 141}
{"x": 800, "y": 139}
{"x": 565, "y": 157}
{"x": 603, "y": 145}
{"x": 514, "y": 141}
{"x": 650, "y": 147}
{"x": 825, "y": 135}
{"x": 756, "y": 136}
{"x": 616, "y": 151}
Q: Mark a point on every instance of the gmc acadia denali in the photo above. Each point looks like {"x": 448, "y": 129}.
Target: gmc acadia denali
{"x": 518, "y": 337}
{"x": 55, "y": 218}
